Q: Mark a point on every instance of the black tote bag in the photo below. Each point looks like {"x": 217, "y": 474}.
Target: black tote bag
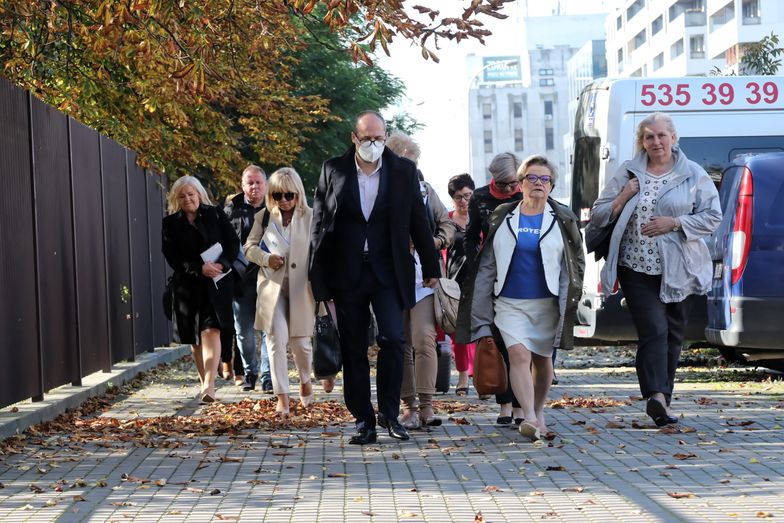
{"x": 327, "y": 356}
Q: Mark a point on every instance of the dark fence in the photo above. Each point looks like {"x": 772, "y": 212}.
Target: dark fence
{"x": 81, "y": 269}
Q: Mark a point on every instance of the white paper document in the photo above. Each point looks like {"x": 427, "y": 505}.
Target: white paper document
{"x": 211, "y": 255}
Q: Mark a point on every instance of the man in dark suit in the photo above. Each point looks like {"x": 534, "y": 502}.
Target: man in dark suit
{"x": 366, "y": 211}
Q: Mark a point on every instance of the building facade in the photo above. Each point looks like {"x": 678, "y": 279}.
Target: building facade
{"x": 686, "y": 37}
{"x": 529, "y": 113}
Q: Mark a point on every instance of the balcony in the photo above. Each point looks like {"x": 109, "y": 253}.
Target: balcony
{"x": 752, "y": 20}
{"x": 695, "y": 18}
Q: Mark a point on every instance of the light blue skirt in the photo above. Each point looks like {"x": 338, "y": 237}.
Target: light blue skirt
{"x": 530, "y": 322}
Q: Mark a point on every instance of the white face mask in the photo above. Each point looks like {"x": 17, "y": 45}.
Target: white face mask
{"x": 371, "y": 151}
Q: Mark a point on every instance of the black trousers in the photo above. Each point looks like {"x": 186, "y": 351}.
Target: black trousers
{"x": 353, "y": 316}
{"x": 508, "y": 396}
{"x": 660, "y": 329}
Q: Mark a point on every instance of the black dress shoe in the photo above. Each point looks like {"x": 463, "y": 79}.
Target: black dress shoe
{"x": 395, "y": 429}
{"x": 658, "y": 413}
{"x": 250, "y": 382}
{"x": 503, "y": 420}
{"x": 363, "y": 436}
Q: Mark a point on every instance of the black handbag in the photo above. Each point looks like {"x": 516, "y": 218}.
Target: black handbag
{"x": 168, "y": 298}
{"x": 597, "y": 239}
{"x": 327, "y": 355}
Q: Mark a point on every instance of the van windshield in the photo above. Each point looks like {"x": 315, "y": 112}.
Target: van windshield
{"x": 716, "y": 154}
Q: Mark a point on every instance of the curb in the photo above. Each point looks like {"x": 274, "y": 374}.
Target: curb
{"x": 61, "y": 399}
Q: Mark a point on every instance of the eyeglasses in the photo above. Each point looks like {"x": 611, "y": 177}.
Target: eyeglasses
{"x": 464, "y": 197}
{"x": 372, "y": 141}
{"x": 545, "y": 179}
{"x": 277, "y": 196}
{"x": 507, "y": 185}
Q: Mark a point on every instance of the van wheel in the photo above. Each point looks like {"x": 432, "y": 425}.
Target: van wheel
{"x": 731, "y": 355}
{"x": 777, "y": 365}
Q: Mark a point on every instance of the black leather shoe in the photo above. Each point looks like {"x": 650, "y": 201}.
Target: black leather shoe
{"x": 363, "y": 436}
{"x": 250, "y": 382}
{"x": 266, "y": 384}
{"x": 503, "y": 420}
{"x": 658, "y": 413}
{"x": 394, "y": 428}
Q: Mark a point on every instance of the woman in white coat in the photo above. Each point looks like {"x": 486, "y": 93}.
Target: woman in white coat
{"x": 285, "y": 308}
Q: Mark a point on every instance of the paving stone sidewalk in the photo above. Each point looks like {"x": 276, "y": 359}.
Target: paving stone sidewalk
{"x": 606, "y": 462}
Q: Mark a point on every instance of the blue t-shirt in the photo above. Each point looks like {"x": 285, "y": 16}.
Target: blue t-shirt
{"x": 525, "y": 278}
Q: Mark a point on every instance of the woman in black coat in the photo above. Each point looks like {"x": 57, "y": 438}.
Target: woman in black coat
{"x": 202, "y": 305}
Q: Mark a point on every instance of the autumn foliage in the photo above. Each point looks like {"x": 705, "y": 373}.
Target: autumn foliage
{"x": 202, "y": 87}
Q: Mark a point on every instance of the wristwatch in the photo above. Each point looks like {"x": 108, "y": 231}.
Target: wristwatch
{"x": 677, "y": 226}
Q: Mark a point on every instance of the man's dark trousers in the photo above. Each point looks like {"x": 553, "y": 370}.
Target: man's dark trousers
{"x": 353, "y": 317}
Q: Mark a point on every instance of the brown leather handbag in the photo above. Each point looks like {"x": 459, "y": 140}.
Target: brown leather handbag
{"x": 490, "y": 376}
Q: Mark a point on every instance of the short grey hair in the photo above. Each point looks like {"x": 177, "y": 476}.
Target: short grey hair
{"x": 254, "y": 169}
{"x": 649, "y": 120}
{"x": 403, "y": 145}
{"x": 538, "y": 159}
{"x": 504, "y": 166}
{"x": 171, "y": 198}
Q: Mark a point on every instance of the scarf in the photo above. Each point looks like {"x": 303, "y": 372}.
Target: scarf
{"x": 498, "y": 195}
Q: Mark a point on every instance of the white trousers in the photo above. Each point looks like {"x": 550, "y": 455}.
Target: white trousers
{"x": 278, "y": 342}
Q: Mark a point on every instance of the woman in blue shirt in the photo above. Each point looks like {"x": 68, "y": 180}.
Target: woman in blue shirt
{"x": 528, "y": 285}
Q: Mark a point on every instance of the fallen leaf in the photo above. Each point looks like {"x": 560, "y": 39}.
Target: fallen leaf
{"x": 368, "y": 513}
{"x": 338, "y": 475}
{"x": 573, "y": 489}
{"x": 492, "y": 488}
{"x": 28, "y": 507}
{"x": 682, "y": 456}
{"x": 754, "y": 460}
{"x": 78, "y": 498}
{"x": 556, "y": 468}
{"x": 215, "y": 492}
{"x": 479, "y": 518}
{"x": 680, "y": 495}
{"x": 51, "y": 502}
{"x": 407, "y": 514}
{"x": 615, "y": 425}
{"x": 548, "y": 515}
{"x": 762, "y": 514}
{"x": 35, "y": 488}
{"x": 227, "y": 518}
{"x": 742, "y": 423}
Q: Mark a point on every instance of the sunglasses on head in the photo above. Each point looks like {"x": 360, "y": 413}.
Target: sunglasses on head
{"x": 277, "y": 196}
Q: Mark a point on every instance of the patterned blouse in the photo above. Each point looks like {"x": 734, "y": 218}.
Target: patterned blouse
{"x": 639, "y": 252}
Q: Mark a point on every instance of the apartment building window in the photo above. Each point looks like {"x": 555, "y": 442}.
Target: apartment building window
{"x": 620, "y": 59}
{"x": 635, "y": 8}
{"x": 517, "y": 109}
{"x": 676, "y": 49}
{"x": 657, "y": 25}
{"x": 546, "y": 72}
{"x": 639, "y": 39}
{"x": 751, "y": 12}
{"x": 549, "y": 139}
{"x": 546, "y": 82}
{"x": 487, "y": 111}
{"x": 518, "y": 139}
{"x": 548, "y": 110}
{"x": 723, "y": 15}
{"x": 619, "y": 23}
{"x": 697, "y": 46}
{"x": 488, "y": 141}
{"x": 658, "y": 61}
{"x": 694, "y": 9}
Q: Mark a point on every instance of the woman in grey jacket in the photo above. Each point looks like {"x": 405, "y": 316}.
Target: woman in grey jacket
{"x": 528, "y": 282}
{"x": 663, "y": 206}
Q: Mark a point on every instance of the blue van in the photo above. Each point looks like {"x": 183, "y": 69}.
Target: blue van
{"x": 746, "y": 301}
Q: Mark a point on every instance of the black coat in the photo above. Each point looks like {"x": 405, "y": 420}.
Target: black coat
{"x": 335, "y": 262}
{"x": 480, "y": 206}
{"x": 183, "y": 244}
{"x": 241, "y": 215}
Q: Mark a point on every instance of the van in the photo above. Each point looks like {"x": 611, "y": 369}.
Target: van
{"x": 746, "y": 301}
{"x": 717, "y": 119}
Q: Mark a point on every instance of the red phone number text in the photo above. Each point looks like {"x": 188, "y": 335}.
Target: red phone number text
{"x": 709, "y": 94}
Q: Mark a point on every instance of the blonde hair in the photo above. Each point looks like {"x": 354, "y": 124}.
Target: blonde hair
{"x": 286, "y": 179}
{"x": 649, "y": 120}
{"x": 177, "y": 186}
{"x": 403, "y": 145}
{"x": 538, "y": 159}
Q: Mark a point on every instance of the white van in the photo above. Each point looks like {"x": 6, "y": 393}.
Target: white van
{"x": 716, "y": 119}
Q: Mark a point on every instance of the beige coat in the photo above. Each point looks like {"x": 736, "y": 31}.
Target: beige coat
{"x": 302, "y": 306}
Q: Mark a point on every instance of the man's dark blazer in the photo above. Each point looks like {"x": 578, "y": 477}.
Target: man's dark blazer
{"x": 336, "y": 260}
